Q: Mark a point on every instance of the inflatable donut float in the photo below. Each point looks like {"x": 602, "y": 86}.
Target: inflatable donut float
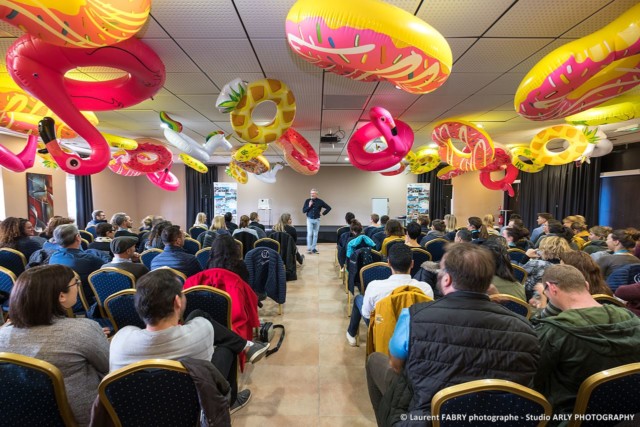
{"x": 248, "y": 151}
{"x": 424, "y": 160}
{"x": 449, "y": 172}
{"x": 369, "y": 40}
{"x": 237, "y": 173}
{"x": 150, "y": 156}
{"x": 117, "y": 164}
{"x": 78, "y": 23}
{"x": 583, "y": 73}
{"x": 21, "y": 161}
{"x": 395, "y": 171}
{"x": 397, "y": 134}
{"x": 257, "y": 166}
{"x": 298, "y": 153}
{"x": 39, "y": 69}
{"x": 501, "y": 162}
{"x": 478, "y": 151}
{"x": 257, "y": 92}
{"x": 620, "y": 109}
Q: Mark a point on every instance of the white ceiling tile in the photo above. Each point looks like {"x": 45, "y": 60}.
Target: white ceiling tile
{"x": 174, "y": 58}
{"x": 152, "y": 30}
{"x": 276, "y": 56}
{"x": 267, "y": 24}
{"x": 595, "y": 22}
{"x": 396, "y": 104}
{"x": 462, "y": 18}
{"x": 161, "y": 103}
{"x": 546, "y": 18}
{"x": 498, "y": 55}
{"x": 206, "y": 105}
{"x": 460, "y": 83}
{"x": 334, "y": 120}
{"x": 221, "y": 79}
{"x": 530, "y": 62}
{"x": 143, "y": 116}
{"x": 430, "y": 106}
{"x": 493, "y": 116}
{"x": 459, "y": 46}
{"x": 222, "y": 56}
{"x": 190, "y": 83}
{"x": 206, "y": 19}
{"x": 506, "y": 84}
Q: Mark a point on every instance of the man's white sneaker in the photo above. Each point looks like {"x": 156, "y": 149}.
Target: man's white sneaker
{"x": 352, "y": 340}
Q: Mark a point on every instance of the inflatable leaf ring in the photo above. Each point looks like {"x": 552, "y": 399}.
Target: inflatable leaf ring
{"x": 369, "y": 40}
{"x": 583, "y": 73}
{"x": 298, "y": 153}
{"x": 39, "y": 68}
{"x": 258, "y": 92}
{"x": 478, "y": 152}
{"x": 78, "y": 23}
{"x": 397, "y": 134}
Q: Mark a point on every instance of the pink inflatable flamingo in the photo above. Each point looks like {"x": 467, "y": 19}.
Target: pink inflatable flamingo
{"x": 398, "y": 136}
{"x": 21, "y": 161}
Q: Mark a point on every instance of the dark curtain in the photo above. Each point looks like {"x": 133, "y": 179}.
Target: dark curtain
{"x": 562, "y": 191}
{"x": 84, "y": 200}
{"x": 439, "y": 193}
{"x": 200, "y": 193}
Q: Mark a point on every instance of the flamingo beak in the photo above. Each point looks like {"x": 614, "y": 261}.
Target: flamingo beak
{"x": 394, "y": 131}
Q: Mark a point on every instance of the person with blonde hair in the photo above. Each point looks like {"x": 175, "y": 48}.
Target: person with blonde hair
{"x": 284, "y": 226}
{"x": 218, "y": 228}
{"x": 201, "y": 220}
{"x": 549, "y": 253}
{"x": 489, "y": 221}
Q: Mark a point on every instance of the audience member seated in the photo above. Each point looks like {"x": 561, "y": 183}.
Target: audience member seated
{"x": 357, "y": 239}
{"x": 463, "y": 236}
{"x": 597, "y": 239}
{"x": 160, "y": 303}
{"x": 580, "y": 234}
{"x": 542, "y": 219}
{"x": 555, "y": 228}
{"x": 201, "y": 220}
{"x": 517, "y": 237}
{"x": 16, "y": 233}
{"x": 589, "y": 269}
{"x": 225, "y": 253}
{"x": 380, "y": 235}
{"x": 621, "y": 243}
{"x": 630, "y": 294}
{"x": 503, "y": 282}
{"x": 231, "y": 226}
{"x": 82, "y": 262}
{"x": 243, "y": 226}
{"x": 451, "y": 224}
{"x": 413, "y": 232}
{"x": 173, "y": 255}
{"x": 551, "y": 248}
{"x": 104, "y": 236}
{"x": 97, "y": 217}
{"x": 122, "y": 223}
{"x": 426, "y": 356}
{"x": 478, "y": 230}
{"x": 38, "y": 328}
{"x": 373, "y": 227}
{"x": 255, "y": 221}
{"x": 401, "y": 261}
{"x": 284, "y": 225}
{"x": 146, "y": 224}
{"x": 154, "y": 239}
{"x": 423, "y": 221}
{"x": 125, "y": 256}
{"x": 218, "y": 227}
{"x": 393, "y": 230}
{"x": 50, "y": 245}
{"x": 583, "y": 339}
{"x": 489, "y": 222}
{"x": 438, "y": 228}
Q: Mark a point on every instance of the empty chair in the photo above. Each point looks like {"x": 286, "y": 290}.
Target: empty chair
{"x": 13, "y": 260}
{"x": 121, "y": 310}
{"x": 32, "y": 393}
{"x": 612, "y": 391}
{"x": 512, "y": 303}
{"x": 518, "y": 255}
{"x": 436, "y": 248}
{"x": 215, "y": 302}
{"x": 107, "y": 281}
{"x": 203, "y": 257}
{"x": 191, "y": 246}
{"x": 491, "y": 397}
{"x": 247, "y": 240}
{"x": 147, "y": 256}
{"x": 267, "y": 242}
{"x": 419, "y": 256}
{"x": 151, "y": 393}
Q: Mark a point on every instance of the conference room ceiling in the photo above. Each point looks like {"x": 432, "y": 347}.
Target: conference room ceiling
{"x": 206, "y": 43}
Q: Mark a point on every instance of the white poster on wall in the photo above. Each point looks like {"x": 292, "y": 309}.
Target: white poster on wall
{"x": 225, "y": 198}
{"x": 417, "y": 200}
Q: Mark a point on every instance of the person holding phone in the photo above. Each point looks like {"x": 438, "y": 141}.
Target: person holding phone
{"x": 313, "y": 208}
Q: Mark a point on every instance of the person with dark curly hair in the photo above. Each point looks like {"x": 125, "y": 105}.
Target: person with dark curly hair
{"x": 15, "y": 233}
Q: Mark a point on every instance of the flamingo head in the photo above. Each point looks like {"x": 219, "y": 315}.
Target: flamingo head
{"x": 382, "y": 119}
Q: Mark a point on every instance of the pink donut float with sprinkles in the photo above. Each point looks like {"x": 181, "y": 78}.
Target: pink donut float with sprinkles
{"x": 583, "y": 73}
{"x": 368, "y": 40}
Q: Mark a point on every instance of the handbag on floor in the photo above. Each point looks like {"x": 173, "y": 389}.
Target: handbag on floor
{"x": 266, "y": 332}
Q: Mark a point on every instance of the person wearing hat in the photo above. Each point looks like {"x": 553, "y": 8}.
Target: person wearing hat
{"x": 125, "y": 256}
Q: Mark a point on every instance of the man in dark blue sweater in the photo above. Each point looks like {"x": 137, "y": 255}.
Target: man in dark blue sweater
{"x": 313, "y": 209}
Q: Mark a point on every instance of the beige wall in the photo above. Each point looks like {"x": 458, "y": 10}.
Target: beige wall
{"x": 470, "y": 198}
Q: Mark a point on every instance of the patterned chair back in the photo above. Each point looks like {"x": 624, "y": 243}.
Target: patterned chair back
{"x": 109, "y": 280}
{"x": 152, "y": 392}
{"x": 390, "y": 243}
{"x": 181, "y": 275}
{"x": 247, "y": 239}
{"x": 419, "y": 256}
{"x": 375, "y": 271}
{"x": 613, "y": 391}
{"x": 13, "y": 260}
{"x": 203, "y": 257}
{"x": 86, "y": 235}
{"x": 211, "y": 300}
{"x": 147, "y": 256}
{"x": 436, "y": 248}
{"x": 520, "y": 273}
{"x": 7, "y": 281}
{"x": 513, "y": 304}
{"x": 194, "y": 232}
{"x": 491, "y": 398}
{"x": 192, "y": 246}
{"x": 518, "y": 255}
{"x": 32, "y": 393}
{"x": 121, "y": 310}
{"x": 267, "y": 243}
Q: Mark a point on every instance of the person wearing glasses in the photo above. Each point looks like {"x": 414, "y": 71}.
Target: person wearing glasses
{"x": 314, "y": 208}
{"x": 584, "y": 338}
{"x": 97, "y": 217}
{"x": 39, "y": 328}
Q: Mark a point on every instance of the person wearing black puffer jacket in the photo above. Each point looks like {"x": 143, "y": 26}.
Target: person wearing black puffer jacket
{"x": 461, "y": 337}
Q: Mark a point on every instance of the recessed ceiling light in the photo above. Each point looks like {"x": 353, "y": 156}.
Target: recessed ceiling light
{"x": 346, "y": 159}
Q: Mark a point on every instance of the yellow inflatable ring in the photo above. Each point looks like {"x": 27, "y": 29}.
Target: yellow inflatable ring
{"x": 517, "y": 153}
{"x": 369, "y": 40}
{"x": 424, "y": 160}
{"x": 540, "y": 155}
{"x": 193, "y": 163}
{"x": 584, "y": 73}
{"x": 620, "y": 109}
{"x": 237, "y": 173}
{"x": 258, "y": 92}
{"x": 249, "y": 151}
